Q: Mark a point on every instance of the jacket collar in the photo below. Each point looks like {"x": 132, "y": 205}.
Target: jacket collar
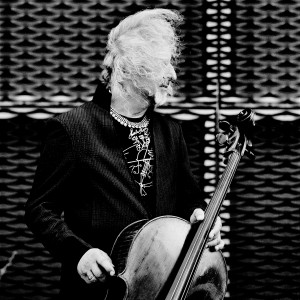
{"x": 102, "y": 97}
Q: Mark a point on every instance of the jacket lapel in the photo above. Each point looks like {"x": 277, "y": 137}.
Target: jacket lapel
{"x": 163, "y": 165}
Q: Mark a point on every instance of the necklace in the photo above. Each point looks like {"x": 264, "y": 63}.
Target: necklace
{"x": 125, "y": 122}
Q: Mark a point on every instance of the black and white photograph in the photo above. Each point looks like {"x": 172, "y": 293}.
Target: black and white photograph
{"x": 150, "y": 150}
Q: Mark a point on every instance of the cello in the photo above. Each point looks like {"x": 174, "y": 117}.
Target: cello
{"x": 166, "y": 258}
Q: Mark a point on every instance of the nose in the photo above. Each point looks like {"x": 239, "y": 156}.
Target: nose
{"x": 171, "y": 72}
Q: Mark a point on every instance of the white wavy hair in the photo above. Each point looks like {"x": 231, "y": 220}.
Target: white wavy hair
{"x": 140, "y": 48}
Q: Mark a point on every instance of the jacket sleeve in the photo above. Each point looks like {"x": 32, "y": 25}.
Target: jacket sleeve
{"x": 190, "y": 194}
{"x": 52, "y": 182}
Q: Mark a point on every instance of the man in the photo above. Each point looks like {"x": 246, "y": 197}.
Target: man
{"x": 113, "y": 160}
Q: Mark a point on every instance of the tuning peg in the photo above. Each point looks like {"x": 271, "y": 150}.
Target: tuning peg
{"x": 221, "y": 138}
{"x": 246, "y": 121}
{"x": 225, "y": 126}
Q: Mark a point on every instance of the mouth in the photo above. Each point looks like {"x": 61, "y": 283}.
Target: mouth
{"x": 165, "y": 86}
{"x": 167, "y": 83}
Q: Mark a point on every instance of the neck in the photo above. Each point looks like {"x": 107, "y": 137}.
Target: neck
{"x": 129, "y": 108}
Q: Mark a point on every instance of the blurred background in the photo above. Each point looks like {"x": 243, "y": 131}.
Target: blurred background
{"x": 239, "y": 54}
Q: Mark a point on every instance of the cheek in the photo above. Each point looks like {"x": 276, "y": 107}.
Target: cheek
{"x": 151, "y": 86}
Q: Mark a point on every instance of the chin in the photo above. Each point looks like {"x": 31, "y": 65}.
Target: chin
{"x": 151, "y": 101}
{"x": 161, "y": 97}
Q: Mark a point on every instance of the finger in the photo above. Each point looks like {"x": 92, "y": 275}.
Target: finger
{"x": 104, "y": 261}
{"x": 214, "y": 242}
{"x": 220, "y": 246}
{"x": 90, "y": 277}
{"x": 198, "y": 215}
{"x": 84, "y": 277}
{"x": 96, "y": 270}
{"x": 217, "y": 227}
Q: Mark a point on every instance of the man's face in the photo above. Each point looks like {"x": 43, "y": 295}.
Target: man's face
{"x": 157, "y": 90}
{"x": 154, "y": 90}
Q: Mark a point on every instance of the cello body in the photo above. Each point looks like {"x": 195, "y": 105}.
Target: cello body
{"x": 147, "y": 254}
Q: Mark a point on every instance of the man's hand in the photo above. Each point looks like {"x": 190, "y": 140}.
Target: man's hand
{"x": 215, "y": 234}
{"x": 95, "y": 265}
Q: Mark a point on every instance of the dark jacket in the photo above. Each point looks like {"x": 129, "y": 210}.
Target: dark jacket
{"x": 83, "y": 174}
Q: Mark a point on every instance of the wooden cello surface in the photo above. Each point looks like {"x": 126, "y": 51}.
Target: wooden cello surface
{"x": 146, "y": 255}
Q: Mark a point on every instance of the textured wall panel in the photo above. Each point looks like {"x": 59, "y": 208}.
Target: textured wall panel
{"x": 265, "y": 53}
{"x": 33, "y": 274}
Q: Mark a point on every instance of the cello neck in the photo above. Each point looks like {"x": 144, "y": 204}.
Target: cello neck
{"x": 181, "y": 284}
{"x": 238, "y": 143}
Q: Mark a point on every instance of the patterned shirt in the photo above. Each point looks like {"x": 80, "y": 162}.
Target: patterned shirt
{"x": 138, "y": 151}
